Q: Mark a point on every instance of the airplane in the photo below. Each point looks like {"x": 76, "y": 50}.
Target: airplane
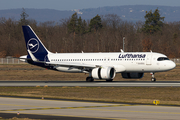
{"x": 103, "y": 66}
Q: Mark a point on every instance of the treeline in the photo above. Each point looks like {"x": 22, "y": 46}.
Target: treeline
{"x": 100, "y": 34}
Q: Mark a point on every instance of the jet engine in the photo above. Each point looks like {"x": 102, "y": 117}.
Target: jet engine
{"x": 103, "y": 73}
{"x": 132, "y": 75}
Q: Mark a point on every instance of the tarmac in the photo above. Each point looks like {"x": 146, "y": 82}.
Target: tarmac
{"x": 61, "y": 109}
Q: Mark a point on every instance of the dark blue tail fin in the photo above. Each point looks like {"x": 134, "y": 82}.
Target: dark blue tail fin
{"x": 34, "y": 45}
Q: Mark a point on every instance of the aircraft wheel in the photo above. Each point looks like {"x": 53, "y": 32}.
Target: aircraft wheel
{"x": 89, "y": 79}
{"x": 153, "y": 79}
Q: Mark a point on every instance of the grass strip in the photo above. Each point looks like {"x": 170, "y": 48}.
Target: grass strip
{"x": 141, "y": 95}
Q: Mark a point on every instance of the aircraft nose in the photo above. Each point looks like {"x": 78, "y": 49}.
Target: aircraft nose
{"x": 171, "y": 65}
{"x": 174, "y": 65}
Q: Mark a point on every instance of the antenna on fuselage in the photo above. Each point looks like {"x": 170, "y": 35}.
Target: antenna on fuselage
{"x": 121, "y": 50}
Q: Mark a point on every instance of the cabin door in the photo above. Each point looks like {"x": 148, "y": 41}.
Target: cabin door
{"x": 149, "y": 59}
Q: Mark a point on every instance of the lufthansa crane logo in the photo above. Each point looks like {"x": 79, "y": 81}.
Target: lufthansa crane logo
{"x": 33, "y": 45}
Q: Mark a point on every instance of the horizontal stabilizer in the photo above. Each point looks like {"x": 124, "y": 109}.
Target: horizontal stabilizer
{"x": 32, "y": 56}
{"x": 23, "y": 58}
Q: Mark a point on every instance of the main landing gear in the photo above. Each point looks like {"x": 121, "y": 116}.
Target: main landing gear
{"x": 153, "y": 79}
{"x": 89, "y": 79}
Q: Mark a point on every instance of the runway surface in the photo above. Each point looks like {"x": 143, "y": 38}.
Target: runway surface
{"x": 58, "y": 109}
{"x": 93, "y": 84}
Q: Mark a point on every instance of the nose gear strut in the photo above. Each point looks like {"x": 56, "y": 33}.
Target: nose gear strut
{"x": 153, "y": 79}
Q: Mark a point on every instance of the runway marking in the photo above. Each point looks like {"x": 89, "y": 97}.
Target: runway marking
{"x": 133, "y": 111}
{"x": 81, "y": 107}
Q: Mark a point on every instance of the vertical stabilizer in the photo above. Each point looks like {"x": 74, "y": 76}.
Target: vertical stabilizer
{"x": 34, "y": 45}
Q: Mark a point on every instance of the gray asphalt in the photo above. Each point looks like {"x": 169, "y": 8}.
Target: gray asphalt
{"x": 93, "y": 84}
{"x": 86, "y": 110}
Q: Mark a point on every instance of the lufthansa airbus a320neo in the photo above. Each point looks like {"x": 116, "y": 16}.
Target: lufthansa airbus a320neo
{"x": 104, "y": 66}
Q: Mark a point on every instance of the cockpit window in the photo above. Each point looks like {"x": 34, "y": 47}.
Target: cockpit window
{"x": 162, "y": 58}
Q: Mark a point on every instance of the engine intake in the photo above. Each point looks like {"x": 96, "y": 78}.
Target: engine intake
{"x": 132, "y": 75}
{"x": 103, "y": 73}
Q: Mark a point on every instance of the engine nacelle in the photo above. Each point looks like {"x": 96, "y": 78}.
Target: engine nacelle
{"x": 132, "y": 75}
{"x": 103, "y": 73}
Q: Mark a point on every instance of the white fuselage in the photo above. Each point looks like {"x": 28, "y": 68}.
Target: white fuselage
{"x": 121, "y": 61}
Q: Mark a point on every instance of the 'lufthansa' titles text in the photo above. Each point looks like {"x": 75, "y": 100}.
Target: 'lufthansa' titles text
{"x": 132, "y": 55}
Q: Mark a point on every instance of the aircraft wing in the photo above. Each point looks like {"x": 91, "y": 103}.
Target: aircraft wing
{"x": 75, "y": 65}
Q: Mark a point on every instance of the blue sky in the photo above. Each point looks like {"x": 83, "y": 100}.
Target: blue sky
{"x": 80, "y": 4}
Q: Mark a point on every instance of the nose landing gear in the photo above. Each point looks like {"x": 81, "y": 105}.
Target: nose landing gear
{"x": 153, "y": 79}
